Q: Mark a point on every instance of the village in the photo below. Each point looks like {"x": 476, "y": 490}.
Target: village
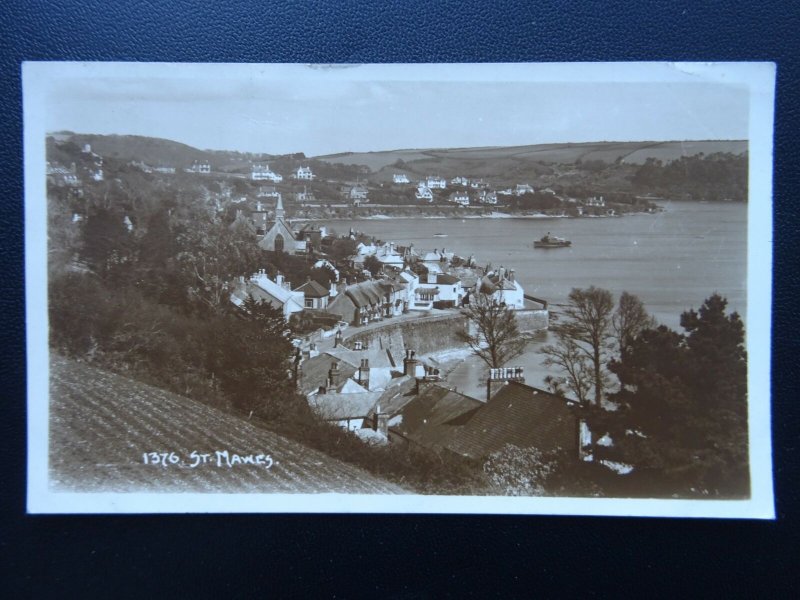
{"x": 375, "y": 334}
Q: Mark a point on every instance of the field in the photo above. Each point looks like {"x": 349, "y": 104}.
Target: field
{"x": 103, "y": 427}
{"x": 467, "y": 160}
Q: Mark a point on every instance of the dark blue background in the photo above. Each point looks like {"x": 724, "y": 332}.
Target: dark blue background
{"x": 395, "y": 557}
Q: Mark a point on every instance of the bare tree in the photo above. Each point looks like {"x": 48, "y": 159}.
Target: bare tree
{"x": 583, "y": 339}
{"x": 492, "y": 333}
{"x": 629, "y": 320}
{"x": 572, "y": 361}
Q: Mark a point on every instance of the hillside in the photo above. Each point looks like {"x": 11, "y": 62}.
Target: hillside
{"x": 101, "y": 424}
{"x": 507, "y": 161}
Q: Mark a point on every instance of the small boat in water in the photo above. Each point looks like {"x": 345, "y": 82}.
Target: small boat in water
{"x": 439, "y": 235}
{"x": 551, "y": 241}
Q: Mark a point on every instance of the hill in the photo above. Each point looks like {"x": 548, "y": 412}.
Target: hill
{"x": 513, "y": 160}
{"x": 101, "y": 424}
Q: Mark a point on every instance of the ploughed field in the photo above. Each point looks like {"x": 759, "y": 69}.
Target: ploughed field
{"x": 112, "y": 434}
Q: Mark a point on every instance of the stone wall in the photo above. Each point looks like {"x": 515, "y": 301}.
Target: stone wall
{"x": 435, "y": 334}
{"x": 424, "y": 335}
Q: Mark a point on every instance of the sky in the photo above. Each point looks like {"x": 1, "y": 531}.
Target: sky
{"x": 329, "y": 116}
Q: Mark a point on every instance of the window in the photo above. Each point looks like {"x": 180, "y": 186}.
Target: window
{"x": 279, "y": 243}
{"x": 309, "y": 303}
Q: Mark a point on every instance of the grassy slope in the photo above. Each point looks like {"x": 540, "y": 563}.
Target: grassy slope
{"x": 101, "y": 423}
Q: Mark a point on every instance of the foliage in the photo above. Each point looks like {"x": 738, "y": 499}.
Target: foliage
{"x": 514, "y": 471}
{"x": 373, "y": 265}
{"x": 493, "y": 334}
{"x": 699, "y": 177}
{"x": 682, "y": 419}
{"x": 629, "y": 320}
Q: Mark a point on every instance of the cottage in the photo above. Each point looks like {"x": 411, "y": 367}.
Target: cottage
{"x": 459, "y": 181}
{"x": 199, "y": 167}
{"x": 262, "y": 289}
{"x": 436, "y": 183}
{"x": 502, "y": 287}
{"x": 596, "y": 201}
{"x": 400, "y": 178}
{"x": 487, "y": 197}
{"x": 359, "y": 304}
{"x": 459, "y": 198}
{"x": 424, "y": 193}
{"x": 315, "y": 295}
{"x": 304, "y": 173}
{"x": 523, "y": 188}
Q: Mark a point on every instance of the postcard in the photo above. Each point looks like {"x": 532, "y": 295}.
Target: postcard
{"x": 399, "y": 288}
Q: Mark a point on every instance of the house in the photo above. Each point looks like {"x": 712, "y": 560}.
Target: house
{"x": 487, "y": 197}
{"x": 502, "y": 287}
{"x": 312, "y": 235}
{"x": 315, "y": 295}
{"x": 304, "y": 196}
{"x": 522, "y": 416}
{"x": 459, "y": 181}
{"x": 262, "y": 289}
{"x": 523, "y": 188}
{"x": 359, "y": 304}
{"x": 199, "y": 167}
{"x": 279, "y": 237}
{"x": 261, "y": 172}
{"x": 477, "y": 184}
{"x": 358, "y": 194}
{"x": 304, "y": 173}
{"x": 450, "y": 290}
{"x": 389, "y": 256}
{"x": 268, "y": 191}
{"x": 436, "y": 183}
{"x": 460, "y": 198}
{"x": 424, "y": 193}
{"x": 596, "y": 201}
{"x": 400, "y": 178}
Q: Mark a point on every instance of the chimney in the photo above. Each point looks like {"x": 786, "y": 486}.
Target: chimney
{"x": 410, "y": 364}
{"x": 337, "y": 341}
{"x": 511, "y": 275}
{"x": 333, "y": 375}
{"x": 279, "y": 279}
{"x": 363, "y": 373}
{"x": 501, "y": 376}
{"x": 380, "y": 421}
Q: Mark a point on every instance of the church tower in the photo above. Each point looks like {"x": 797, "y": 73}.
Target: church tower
{"x": 280, "y": 214}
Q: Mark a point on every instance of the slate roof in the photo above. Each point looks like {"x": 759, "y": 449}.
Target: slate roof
{"x": 521, "y": 415}
{"x": 446, "y": 279}
{"x": 313, "y": 289}
{"x": 314, "y": 372}
{"x": 378, "y": 357}
{"x": 435, "y": 417}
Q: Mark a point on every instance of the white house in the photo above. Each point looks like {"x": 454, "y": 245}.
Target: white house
{"x": 199, "y": 167}
{"x": 459, "y": 181}
{"x": 389, "y": 256}
{"x": 436, "y": 183}
{"x": 424, "y": 193}
{"x": 502, "y": 287}
{"x": 523, "y": 188}
{"x": 263, "y": 173}
{"x": 596, "y": 201}
{"x": 358, "y": 194}
{"x": 460, "y": 198}
{"x": 261, "y": 288}
{"x": 487, "y": 197}
{"x": 400, "y": 178}
{"x": 304, "y": 173}
{"x": 450, "y": 289}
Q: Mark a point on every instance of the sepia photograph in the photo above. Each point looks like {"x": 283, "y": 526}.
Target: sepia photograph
{"x": 401, "y": 288}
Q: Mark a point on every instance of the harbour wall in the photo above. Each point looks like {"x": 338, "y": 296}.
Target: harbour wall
{"x": 429, "y": 335}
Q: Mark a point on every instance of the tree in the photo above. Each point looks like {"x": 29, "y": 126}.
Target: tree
{"x": 583, "y": 339}
{"x": 253, "y": 360}
{"x": 572, "y": 361}
{"x": 682, "y": 418}
{"x": 373, "y": 265}
{"x": 629, "y": 320}
{"x": 492, "y": 332}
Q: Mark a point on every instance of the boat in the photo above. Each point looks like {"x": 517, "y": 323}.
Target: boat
{"x": 439, "y": 235}
{"x": 551, "y": 241}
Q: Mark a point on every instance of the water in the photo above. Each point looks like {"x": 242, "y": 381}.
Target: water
{"x": 672, "y": 260}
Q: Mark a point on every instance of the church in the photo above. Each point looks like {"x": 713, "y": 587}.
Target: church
{"x": 280, "y": 237}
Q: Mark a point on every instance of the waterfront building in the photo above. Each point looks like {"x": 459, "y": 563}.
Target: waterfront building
{"x": 596, "y": 201}
{"x": 424, "y": 193}
{"x": 502, "y": 287}
{"x": 436, "y": 182}
{"x": 460, "y": 198}
{"x": 523, "y": 188}
{"x": 487, "y": 197}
